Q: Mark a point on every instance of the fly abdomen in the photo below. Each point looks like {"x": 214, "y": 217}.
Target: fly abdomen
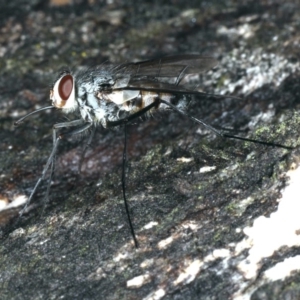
{"x": 145, "y": 98}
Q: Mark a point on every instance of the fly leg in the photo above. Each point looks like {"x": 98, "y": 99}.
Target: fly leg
{"x": 221, "y": 134}
{"x": 124, "y": 187}
{"x": 50, "y": 161}
{"x": 124, "y": 122}
{"x": 87, "y": 145}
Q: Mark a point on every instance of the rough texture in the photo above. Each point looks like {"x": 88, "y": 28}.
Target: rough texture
{"x": 195, "y": 225}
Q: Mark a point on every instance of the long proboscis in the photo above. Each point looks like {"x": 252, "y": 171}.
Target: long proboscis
{"x": 17, "y": 123}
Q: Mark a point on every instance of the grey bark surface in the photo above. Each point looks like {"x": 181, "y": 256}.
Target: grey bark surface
{"x": 188, "y": 218}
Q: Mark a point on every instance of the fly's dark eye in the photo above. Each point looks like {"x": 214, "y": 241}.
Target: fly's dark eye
{"x": 65, "y": 87}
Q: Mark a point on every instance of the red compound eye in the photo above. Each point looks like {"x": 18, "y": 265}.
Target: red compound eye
{"x": 65, "y": 87}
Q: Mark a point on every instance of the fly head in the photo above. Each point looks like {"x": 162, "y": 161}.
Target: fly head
{"x": 62, "y": 94}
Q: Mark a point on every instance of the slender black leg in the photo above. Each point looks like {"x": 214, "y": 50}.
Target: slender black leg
{"x": 50, "y": 161}
{"x": 124, "y": 187}
{"x": 69, "y": 124}
{"x": 55, "y": 129}
{"x": 124, "y": 122}
{"x": 87, "y": 145}
{"x": 219, "y": 133}
{"x": 51, "y": 172}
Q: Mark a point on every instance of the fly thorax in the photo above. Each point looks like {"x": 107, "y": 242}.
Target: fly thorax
{"x": 87, "y": 105}
{"x": 97, "y": 110}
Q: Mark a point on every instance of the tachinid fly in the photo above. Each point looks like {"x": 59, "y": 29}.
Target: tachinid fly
{"x": 106, "y": 95}
{"x": 115, "y": 95}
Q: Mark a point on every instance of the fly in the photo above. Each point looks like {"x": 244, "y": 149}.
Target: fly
{"x": 115, "y": 95}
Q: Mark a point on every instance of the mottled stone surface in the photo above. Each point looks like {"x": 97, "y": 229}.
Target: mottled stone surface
{"x": 215, "y": 218}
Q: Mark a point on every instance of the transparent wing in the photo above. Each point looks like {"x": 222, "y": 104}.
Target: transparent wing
{"x": 150, "y": 75}
{"x": 156, "y": 86}
{"x": 169, "y": 66}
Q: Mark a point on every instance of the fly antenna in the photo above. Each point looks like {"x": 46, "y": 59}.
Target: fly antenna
{"x": 32, "y": 113}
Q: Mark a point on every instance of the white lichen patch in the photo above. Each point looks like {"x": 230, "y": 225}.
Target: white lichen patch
{"x": 164, "y": 243}
{"x": 138, "y": 281}
{"x": 156, "y": 295}
{"x": 268, "y": 235}
{"x": 207, "y": 169}
{"x": 189, "y": 273}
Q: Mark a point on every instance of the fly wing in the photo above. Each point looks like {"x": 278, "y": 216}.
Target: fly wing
{"x": 156, "y": 86}
{"x": 169, "y": 66}
{"x": 131, "y": 78}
